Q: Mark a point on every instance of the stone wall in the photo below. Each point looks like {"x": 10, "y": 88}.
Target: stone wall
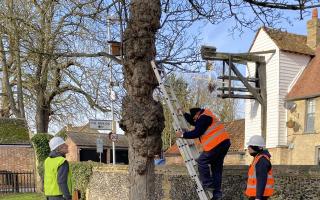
{"x": 298, "y": 152}
{"x": 17, "y": 158}
{"x": 232, "y": 158}
{"x": 173, "y": 183}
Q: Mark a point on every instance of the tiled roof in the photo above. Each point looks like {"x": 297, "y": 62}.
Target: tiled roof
{"x": 13, "y": 131}
{"x": 288, "y": 41}
{"x": 236, "y": 131}
{"x": 307, "y": 85}
{"x": 85, "y": 139}
{"x": 82, "y": 129}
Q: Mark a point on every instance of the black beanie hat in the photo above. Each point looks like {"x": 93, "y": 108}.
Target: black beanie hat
{"x": 257, "y": 149}
{"x": 193, "y": 112}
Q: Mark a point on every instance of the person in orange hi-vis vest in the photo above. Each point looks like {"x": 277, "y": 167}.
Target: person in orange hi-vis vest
{"x": 215, "y": 142}
{"x": 260, "y": 184}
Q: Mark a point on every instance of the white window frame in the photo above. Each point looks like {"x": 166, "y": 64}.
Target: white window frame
{"x": 317, "y": 160}
{"x": 310, "y": 112}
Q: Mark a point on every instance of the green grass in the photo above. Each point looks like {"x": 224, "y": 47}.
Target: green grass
{"x": 23, "y": 196}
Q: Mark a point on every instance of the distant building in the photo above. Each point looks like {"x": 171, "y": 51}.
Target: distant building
{"x": 82, "y": 145}
{"x": 303, "y": 117}
{"x": 293, "y": 92}
{"x": 236, "y": 154}
{"x": 16, "y": 152}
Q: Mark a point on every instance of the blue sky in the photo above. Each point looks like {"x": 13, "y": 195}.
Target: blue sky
{"x": 236, "y": 42}
{"x": 220, "y": 36}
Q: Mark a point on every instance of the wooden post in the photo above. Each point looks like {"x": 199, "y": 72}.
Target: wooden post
{"x": 229, "y": 84}
{"x": 261, "y": 68}
{"x": 245, "y": 82}
{"x": 108, "y": 155}
{"x": 223, "y": 73}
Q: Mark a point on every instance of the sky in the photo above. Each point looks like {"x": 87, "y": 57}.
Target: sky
{"x": 220, "y": 36}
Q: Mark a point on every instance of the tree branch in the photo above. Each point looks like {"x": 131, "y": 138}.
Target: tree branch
{"x": 63, "y": 89}
{"x": 88, "y": 55}
{"x": 283, "y": 6}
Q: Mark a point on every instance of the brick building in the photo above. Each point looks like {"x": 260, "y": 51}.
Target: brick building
{"x": 236, "y": 154}
{"x": 82, "y": 145}
{"x": 16, "y": 152}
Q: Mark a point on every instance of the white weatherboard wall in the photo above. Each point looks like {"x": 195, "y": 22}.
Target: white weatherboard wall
{"x": 290, "y": 66}
{"x": 281, "y": 70}
{"x": 253, "y": 109}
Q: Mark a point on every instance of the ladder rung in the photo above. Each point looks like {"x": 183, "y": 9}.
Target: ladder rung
{"x": 187, "y": 148}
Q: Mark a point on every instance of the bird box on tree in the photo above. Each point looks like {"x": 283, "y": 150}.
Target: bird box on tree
{"x": 115, "y": 48}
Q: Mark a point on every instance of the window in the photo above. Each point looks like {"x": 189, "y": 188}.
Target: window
{"x": 318, "y": 155}
{"x": 310, "y": 115}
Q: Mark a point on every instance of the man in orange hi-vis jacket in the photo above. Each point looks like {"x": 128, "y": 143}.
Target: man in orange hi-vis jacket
{"x": 215, "y": 142}
{"x": 260, "y": 185}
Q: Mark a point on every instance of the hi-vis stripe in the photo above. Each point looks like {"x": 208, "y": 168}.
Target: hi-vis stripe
{"x": 254, "y": 176}
{"x": 214, "y": 136}
{"x": 212, "y": 128}
{"x": 254, "y": 186}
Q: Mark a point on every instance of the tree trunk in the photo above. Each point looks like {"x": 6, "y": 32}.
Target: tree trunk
{"x": 42, "y": 114}
{"x": 5, "y": 106}
{"x": 142, "y": 117}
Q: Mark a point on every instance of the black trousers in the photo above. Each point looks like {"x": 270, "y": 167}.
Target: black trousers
{"x": 253, "y": 198}
{"x": 210, "y": 165}
{"x": 55, "y": 198}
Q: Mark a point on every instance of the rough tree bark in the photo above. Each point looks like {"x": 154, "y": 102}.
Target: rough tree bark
{"x": 42, "y": 113}
{"x": 142, "y": 117}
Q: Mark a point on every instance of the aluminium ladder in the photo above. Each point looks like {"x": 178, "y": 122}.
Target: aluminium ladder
{"x": 187, "y": 148}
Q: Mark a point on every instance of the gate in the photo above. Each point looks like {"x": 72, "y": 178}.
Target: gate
{"x": 15, "y": 182}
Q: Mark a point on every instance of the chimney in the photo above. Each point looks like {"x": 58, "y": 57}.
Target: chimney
{"x": 313, "y": 29}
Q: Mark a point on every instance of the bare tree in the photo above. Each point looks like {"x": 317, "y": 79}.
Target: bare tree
{"x": 10, "y": 32}
{"x": 47, "y": 52}
{"x": 143, "y": 124}
{"x": 41, "y": 46}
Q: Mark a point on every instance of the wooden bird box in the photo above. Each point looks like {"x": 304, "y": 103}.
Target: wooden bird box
{"x": 115, "y": 48}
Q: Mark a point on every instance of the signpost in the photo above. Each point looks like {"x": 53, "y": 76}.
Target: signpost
{"x": 99, "y": 147}
{"x": 113, "y": 137}
{"x": 100, "y": 124}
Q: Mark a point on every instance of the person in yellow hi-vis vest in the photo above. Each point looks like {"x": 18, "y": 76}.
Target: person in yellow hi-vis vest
{"x": 57, "y": 174}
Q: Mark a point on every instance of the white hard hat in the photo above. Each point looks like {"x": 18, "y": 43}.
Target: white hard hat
{"x": 55, "y": 142}
{"x": 256, "y": 140}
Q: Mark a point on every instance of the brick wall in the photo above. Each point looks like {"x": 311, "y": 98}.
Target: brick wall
{"x": 235, "y": 158}
{"x": 173, "y": 183}
{"x": 17, "y": 158}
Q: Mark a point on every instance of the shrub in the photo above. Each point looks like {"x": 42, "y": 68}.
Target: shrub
{"x": 81, "y": 173}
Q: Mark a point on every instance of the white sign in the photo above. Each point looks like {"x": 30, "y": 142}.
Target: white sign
{"x": 113, "y": 137}
{"x": 99, "y": 145}
{"x": 100, "y": 124}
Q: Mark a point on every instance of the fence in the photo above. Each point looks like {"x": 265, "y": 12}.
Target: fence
{"x": 11, "y": 182}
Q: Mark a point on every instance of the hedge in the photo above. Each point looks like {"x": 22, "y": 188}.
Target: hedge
{"x": 81, "y": 173}
{"x": 40, "y": 143}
